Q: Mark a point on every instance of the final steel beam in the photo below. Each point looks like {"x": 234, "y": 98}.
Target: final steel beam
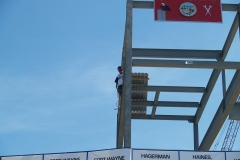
{"x": 166, "y": 104}
{"x": 170, "y": 89}
{"x": 149, "y": 5}
{"x": 164, "y": 117}
{"x": 186, "y": 64}
{"x": 176, "y": 53}
{"x": 223, "y": 111}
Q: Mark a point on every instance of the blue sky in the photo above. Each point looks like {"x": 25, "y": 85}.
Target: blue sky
{"x": 58, "y": 65}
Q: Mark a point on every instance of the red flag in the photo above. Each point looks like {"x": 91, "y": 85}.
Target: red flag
{"x": 188, "y": 10}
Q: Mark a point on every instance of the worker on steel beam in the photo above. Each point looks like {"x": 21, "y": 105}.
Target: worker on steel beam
{"x": 119, "y": 80}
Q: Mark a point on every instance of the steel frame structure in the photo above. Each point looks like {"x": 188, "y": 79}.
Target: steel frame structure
{"x": 230, "y": 94}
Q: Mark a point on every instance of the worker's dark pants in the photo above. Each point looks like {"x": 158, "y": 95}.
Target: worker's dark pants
{"x": 119, "y": 89}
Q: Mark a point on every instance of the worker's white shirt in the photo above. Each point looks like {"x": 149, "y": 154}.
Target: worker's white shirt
{"x": 120, "y": 79}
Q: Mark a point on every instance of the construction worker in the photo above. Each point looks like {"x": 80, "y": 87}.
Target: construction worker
{"x": 119, "y": 80}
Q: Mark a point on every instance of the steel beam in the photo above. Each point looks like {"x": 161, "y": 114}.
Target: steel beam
{"x": 195, "y": 136}
{"x": 170, "y": 89}
{"x": 235, "y": 112}
{"x": 121, "y": 111}
{"x": 186, "y": 64}
{"x": 128, "y": 76}
{"x": 143, "y": 4}
{"x": 228, "y": 102}
{"x": 155, "y": 104}
{"x": 230, "y": 7}
{"x": 238, "y": 19}
{"x": 164, "y": 117}
{"x": 121, "y": 107}
{"x": 216, "y": 72}
{"x": 117, "y": 130}
{"x": 211, "y": 83}
{"x": 176, "y": 53}
{"x": 166, "y": 104}
{"x": 230, "y": 37}
{"x": 224, "y": 88}
{"x": 120, "y": 130}
{"x": 149, "y": 5}
{"x": 118, "y": 124}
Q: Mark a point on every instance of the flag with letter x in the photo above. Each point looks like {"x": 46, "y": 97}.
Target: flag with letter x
{"x": 188, "y": 10}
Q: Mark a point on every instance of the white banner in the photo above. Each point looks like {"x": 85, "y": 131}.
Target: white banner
{"x": 66, "y": 156}
{"x": 184, "y": 155}
{"x": 233, "y": 155}
{"x": 32, "y": 157}
{"x": 116, "y": 154}
{"x": 154, "y": 155}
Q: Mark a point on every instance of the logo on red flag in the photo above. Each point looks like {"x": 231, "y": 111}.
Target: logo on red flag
{"x": 188, "y": 10}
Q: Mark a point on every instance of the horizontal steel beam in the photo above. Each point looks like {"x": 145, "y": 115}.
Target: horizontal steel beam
{"x": 176, "y": 53}
{"x": 170, "y": 89}
{"x": 149, "y": 5}
{"x": 230, "y": 7}
{"x": 164, "y": 117}
{"x": 143, "y": 4}
{"x": 166, "y": 104}
{"x": 186, "y": 64}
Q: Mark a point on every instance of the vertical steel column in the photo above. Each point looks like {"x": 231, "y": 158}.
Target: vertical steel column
{"x": 195, "y": 134}
{"x": 224, "y": 82}
{"x": 238, "y": 13}
{"x": 224, "y": 86}
{"x": 121, "y": 110}
{"x": 117, "y": 134}
{"x": 127, "y": 101}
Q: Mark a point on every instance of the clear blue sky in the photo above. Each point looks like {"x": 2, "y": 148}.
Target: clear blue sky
{"x": 58, "y": 61}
